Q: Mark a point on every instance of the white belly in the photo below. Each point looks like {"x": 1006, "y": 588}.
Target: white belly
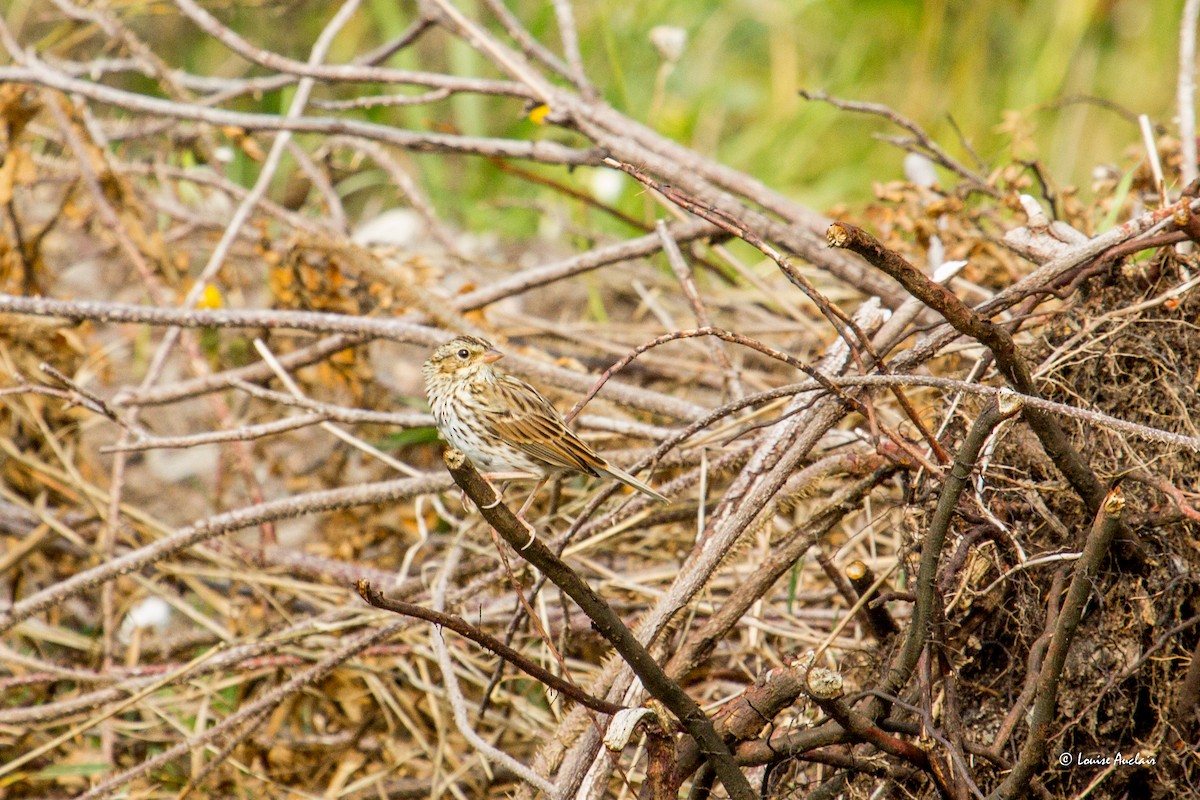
{"x": 495, "y": 457}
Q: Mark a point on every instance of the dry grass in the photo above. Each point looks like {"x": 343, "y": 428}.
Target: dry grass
{"x": 181, "y": 611}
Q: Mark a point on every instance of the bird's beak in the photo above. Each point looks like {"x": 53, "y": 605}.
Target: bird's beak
{"x": 491, "y": 356}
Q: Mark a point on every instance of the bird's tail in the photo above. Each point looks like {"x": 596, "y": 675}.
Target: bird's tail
{"x": 629, "y": 480}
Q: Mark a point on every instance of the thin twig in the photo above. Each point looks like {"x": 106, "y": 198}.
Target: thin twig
{"x": 926, "y": 144}
{"x": 521, "y": 537}
{"x": 365, "y": 494}
{"x": 1104, "y": 529}
{"x": 998, "y": 340}
{"x": 317, "y": 322}
{"x": 463, "y": 628}
{"x": 905, "y": 661}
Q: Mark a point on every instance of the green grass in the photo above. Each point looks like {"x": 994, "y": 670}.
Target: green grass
{"x": 999, "y": 71}
{"x": 733, "y": 94}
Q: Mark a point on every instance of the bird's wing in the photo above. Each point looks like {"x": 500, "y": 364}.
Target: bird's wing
{"x": 525, "y": 419}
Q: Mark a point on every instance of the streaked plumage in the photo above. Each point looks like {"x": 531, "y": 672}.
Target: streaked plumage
{"x": 500, "y": 422}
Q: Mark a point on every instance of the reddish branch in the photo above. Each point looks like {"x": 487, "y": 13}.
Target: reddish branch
{"x": 996, "y": 338}
{"x": 825, "y": 382}
{"x": 836, "y": 317}
{"x": 463, "y": 628}
{"x": 824, "y": 687}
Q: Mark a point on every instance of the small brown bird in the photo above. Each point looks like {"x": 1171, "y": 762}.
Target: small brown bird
{"x": 500, "y": 422}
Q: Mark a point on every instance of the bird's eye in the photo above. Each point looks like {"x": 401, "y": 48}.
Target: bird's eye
{"x": 463, "y": 354}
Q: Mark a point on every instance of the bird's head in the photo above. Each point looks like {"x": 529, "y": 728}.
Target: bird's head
{"x": 464, "y": 356}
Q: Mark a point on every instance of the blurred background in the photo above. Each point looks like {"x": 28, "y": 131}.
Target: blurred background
{"x": 1060, "y": 82}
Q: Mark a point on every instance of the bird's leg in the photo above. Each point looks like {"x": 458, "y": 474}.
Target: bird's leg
{"x": 499, "y": 493}
{"x": 488, "y": 478}
{"x": 525, "y": 507}
{"x": 529, "y": 500}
